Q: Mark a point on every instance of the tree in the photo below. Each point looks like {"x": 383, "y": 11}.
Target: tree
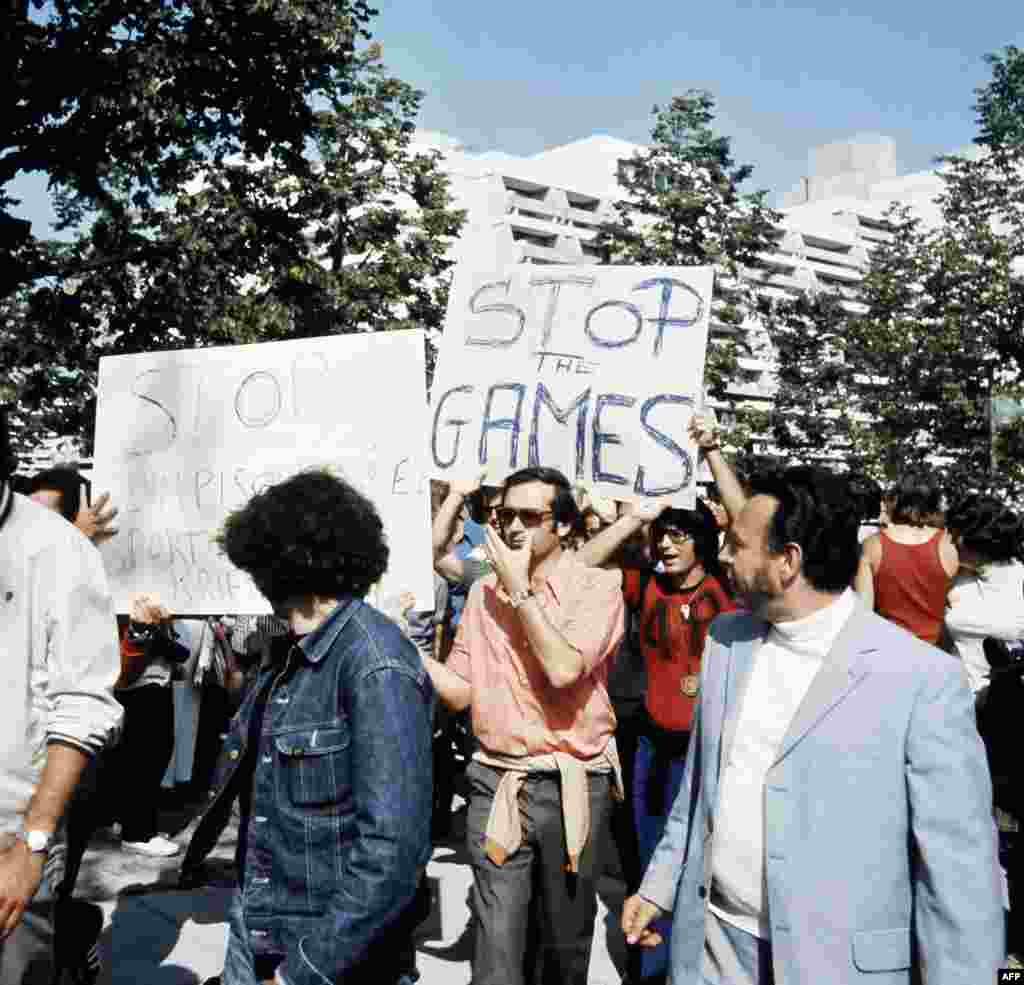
{"x": 935, "y": 329}
{"x": 232, "y": 171}
{"x": 683, "y": 207}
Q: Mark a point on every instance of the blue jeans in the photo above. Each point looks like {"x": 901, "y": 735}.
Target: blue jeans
{"x": 649, "y": 829}
{"x": 240, "y": 962}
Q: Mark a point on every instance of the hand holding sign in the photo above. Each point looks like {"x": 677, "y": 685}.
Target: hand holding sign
{"x": 703, "y": 430}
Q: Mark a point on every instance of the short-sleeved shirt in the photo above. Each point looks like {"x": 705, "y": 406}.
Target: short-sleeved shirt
{"x": 515, "y": 709}
{"x": 673, "y": 628}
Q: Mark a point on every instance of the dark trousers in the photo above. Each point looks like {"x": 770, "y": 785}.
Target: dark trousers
{"x": 502, "y": 894}
{"x": 133, "y": 771}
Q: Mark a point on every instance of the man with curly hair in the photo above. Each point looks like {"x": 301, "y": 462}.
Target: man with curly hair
{"x": 530, "y": 661}
{"x": 330, "y": 753}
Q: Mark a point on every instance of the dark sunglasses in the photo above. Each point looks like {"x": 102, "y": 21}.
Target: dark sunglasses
{"x": 528, "y": 518}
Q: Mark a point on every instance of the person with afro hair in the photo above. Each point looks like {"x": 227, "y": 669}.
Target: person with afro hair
{"x": 329, "y": 754}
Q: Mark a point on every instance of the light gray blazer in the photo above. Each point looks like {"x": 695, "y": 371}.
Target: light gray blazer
{"x": 881, "y": 851}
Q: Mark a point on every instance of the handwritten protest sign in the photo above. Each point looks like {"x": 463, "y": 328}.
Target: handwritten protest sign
{"x": 593, "y": 370}
{"x": 184, "y": 437}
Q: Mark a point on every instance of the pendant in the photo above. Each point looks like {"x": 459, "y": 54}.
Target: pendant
{"x": 689, "y": 685}
{"x": 684, "y": 610}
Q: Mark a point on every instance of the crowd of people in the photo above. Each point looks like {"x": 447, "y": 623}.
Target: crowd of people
{"x": 786, "y": 711}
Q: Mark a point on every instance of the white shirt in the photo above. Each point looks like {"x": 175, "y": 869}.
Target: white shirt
{"x": 989, "y": 604}
{"x": 58, "y": 640}
{"x": 784, "y": 666}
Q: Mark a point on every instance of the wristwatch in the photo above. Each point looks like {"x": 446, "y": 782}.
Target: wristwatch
{"x": 38, "y": 841}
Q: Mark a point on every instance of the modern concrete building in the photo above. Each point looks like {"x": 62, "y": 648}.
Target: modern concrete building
{"x": 547, "y": 208}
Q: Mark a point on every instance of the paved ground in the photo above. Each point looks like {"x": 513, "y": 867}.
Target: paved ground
{"x": 157, "y": 935}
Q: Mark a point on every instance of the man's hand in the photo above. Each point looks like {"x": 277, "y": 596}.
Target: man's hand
{"x": 719, "y": 512}
{"x": 21, "y": 872}
{"x": 511, "y": 564}
{"x": 637, "y": 913}
{"x": 704, "y": 432}
{"x": 466, "y": 487}
{"x": 95, "y": 521}
{"x": 148, "y": 609}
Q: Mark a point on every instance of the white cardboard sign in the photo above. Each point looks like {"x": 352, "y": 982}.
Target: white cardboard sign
{"x": 184, "y": 437}
{"x": 593, "y": 370}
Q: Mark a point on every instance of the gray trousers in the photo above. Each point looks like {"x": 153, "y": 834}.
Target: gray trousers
{"x": 734, "y": 957}
{"x": 502, "y": 895}
{"x": 26, "y": 957}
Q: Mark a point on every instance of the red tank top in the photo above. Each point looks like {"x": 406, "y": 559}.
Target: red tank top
{"x": 911, "y": 586}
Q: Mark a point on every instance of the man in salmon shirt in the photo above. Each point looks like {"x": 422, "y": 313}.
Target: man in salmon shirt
{"x": 530, "y": 661}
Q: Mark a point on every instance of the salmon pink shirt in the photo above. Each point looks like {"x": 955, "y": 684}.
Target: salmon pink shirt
{"x": 515, "y": 710}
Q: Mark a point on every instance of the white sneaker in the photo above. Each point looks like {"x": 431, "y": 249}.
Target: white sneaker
{"x": 158, "y": 846}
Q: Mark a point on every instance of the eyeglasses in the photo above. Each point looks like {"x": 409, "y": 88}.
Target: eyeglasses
{"x": 528, "y": 518}
{"x": 676, "y": 536}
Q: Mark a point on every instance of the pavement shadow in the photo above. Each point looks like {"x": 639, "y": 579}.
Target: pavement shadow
{"x": 135, "y": 950}
{"x": 459, "y": 950}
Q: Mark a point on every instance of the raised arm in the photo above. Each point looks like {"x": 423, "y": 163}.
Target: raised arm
{"x": 704, "y": 433}
{"x": 446, "y": 563}
{"x": 603, "y": 546}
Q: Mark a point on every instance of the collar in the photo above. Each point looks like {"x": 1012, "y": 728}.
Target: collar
{"x": 315, "y": 645}
{"x": 820, "y": 628}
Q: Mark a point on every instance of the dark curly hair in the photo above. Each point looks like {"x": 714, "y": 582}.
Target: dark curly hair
{"x": 312, "y": 534}
{"x": 988, "y": 527}
{"x": 817, "y": 511}
{"x": 69, "y": 482}
{"x": 701, "y": 524}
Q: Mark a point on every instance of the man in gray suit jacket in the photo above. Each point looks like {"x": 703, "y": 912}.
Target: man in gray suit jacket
{"x": 835, "y": 819}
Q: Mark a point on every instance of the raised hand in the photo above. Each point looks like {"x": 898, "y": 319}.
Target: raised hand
{"x": 466, "y": 487}
{"x": 512, "y": 564}
{"x": 148, "y": 608}
{"x": 95, "y": 521}
{"x": 648, "y": 510}
{"x": 704, "y": 431}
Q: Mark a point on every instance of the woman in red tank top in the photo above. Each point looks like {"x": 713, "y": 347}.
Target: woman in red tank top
{"x": 906, "y": 569}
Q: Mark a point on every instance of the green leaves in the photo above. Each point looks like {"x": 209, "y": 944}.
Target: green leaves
{"x": 233, "y": 172}
{"x": 939, "y": 328}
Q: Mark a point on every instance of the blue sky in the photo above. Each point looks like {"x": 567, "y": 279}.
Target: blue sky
{"x": 524, "y": 75}
{"x": 788, "y": 76}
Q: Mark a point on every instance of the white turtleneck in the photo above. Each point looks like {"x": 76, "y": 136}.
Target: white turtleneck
{"x": 784, "y": 667}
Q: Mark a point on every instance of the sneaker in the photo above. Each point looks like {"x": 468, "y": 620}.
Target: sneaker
{"x": 158, "y": 846}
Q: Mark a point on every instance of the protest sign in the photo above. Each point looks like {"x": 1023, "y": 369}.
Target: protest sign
{"x": 184, "y": 437}
{"x": 593, "y": 370}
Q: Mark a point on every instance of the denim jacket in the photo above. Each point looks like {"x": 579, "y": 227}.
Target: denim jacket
{"x": 338, "y": 831}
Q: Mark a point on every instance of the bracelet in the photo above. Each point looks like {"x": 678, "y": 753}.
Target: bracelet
{"x": 520, "y": 597}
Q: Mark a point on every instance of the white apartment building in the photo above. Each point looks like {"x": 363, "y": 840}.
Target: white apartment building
{"x": 547, "y": 208}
